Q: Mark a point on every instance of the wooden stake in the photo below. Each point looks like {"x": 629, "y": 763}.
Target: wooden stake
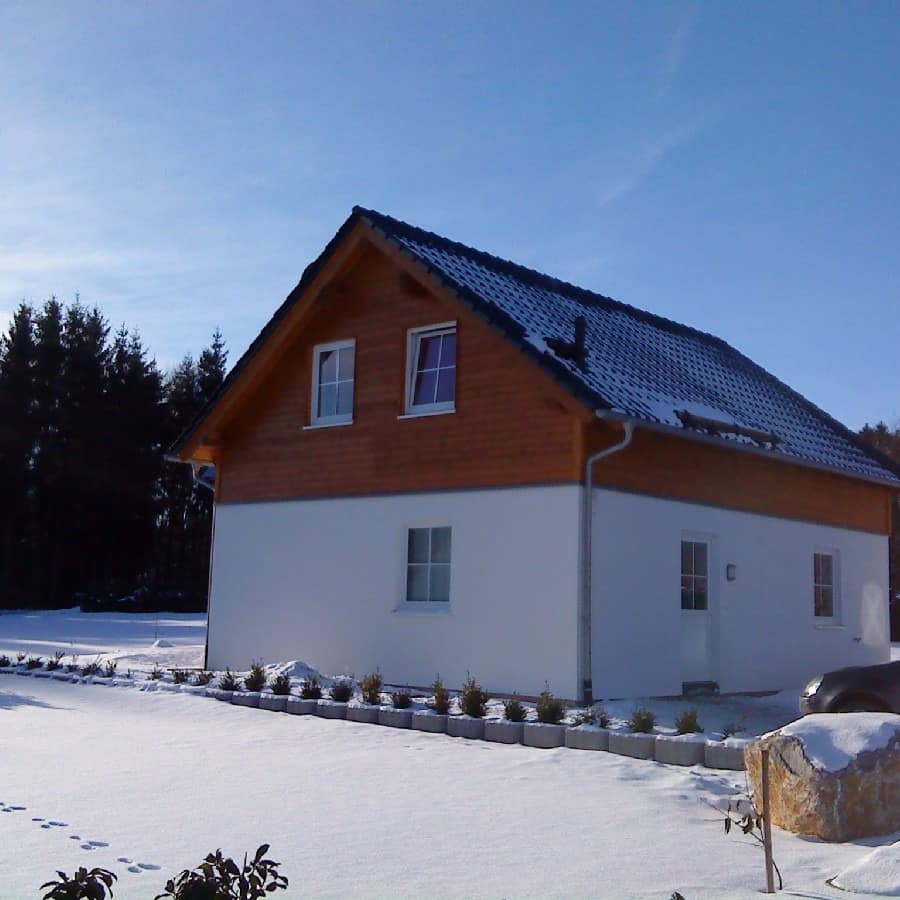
{"x": 767, "y": 824}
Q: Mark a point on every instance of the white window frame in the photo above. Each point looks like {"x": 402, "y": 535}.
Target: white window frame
{"x": 315, "y": 420}
{"x": 413, "y": 348}
{"x": 696, "y": 539}
{"x": 835, "y": 617}
{"x": 428, "y": 604}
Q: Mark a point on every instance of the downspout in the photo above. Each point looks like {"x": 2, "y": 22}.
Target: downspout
{"x": 587, "y": 534}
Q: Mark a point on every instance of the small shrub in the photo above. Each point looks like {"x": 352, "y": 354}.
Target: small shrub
{"x": 83, "y": 885}
{"x": 549, "y": 709}
{"x": 642, "y": 720}
{"x": 730, "y": 729}
{"x": 156, "y": 673}
{"x": 109, "y": 670}
{"x": 20, "y": 658}
{"x": 311, "y": 688}
{"x": 686, "y": 722}
{"x": 401, "y": 699}
{"x": 472, "y": 699}
{"x": 180, "y": 676}
{"x": 440, "y": 699}
{"x": 220, "y": 878}
{"x": 370, "y": 688}
{"x": 513, "y": 710}
{"x": 281, "y": 684}
{"x": 5, "y": 661}
{"x": 594, "y": 715}
{"x": 203, "y": 677}
{"x": 72, "y": 666}
{"x": 56, "y": 662}
{"x": 256, "y": 678}
{"x": 341, "y": 691}
{"x": 92, "y": 668}
{"x": 34, "y": 663}
{"x": 228, "y": 681}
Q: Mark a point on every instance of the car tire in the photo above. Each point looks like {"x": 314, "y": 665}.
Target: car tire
{"x": 859, "y": 703}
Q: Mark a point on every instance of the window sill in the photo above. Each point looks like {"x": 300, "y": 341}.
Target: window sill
{"x": 427, "y": 412}
{"x": 828, "y": 626}
{"x": 427, "y": 608}
{"x": 322, "y": 425}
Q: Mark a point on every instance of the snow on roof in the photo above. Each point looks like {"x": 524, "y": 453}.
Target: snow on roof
{"x": 638, "y": 365}
{"x": 831, "y": 741}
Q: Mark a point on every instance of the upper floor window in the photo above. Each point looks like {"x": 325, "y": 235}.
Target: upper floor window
{"x": 431, "y": 369}
{"x": 332, "y": 393}
{"x": 694, "y": 575}
{"x": 823, "y": 585}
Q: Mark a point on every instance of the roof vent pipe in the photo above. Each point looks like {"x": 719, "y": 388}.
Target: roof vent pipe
{"x": 587, "y": 535}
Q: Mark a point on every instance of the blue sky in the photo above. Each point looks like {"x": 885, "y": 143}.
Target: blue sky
{"x": 733, "y": 166}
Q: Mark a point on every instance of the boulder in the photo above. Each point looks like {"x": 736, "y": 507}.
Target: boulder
{"x": 835, "y": 776}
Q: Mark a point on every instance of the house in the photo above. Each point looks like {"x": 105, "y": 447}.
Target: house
{"x": 434, "y": 460}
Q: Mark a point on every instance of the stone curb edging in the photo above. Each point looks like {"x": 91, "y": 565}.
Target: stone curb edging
{"x": 667, "y": 749}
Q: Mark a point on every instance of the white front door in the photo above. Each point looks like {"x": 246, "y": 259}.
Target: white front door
{"x": 696, "y": 611}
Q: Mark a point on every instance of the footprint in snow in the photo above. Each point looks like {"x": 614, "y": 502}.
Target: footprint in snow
{"x": 98, "y": 843}
{"x": 59, "y": 824}
{"x": 136, "y": 869}
{"x": 37, "y": 820}
{"x": 45, "y": 825}
{"x": 74, "y": 837}
{"x": 87, "y": 847}
{"x": 16, "y": 808}
{"x": 152, "y": 866}
{"x": 123, "y": 859}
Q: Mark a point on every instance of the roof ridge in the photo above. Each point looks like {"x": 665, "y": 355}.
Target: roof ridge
{"x": 542, "y": 279}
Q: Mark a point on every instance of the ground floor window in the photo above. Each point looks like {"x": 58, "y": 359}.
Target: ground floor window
{"x": 823, "y": 585}
{"x": 694, "y": 575}
{"x": 428, "y": 565}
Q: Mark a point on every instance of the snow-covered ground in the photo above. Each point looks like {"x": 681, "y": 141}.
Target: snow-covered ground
{"x": 160, "y": 779}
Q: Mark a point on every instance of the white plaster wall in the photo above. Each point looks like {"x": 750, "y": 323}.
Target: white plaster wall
{"x": 324, "y": 581}
{"x": 765, "y": 635}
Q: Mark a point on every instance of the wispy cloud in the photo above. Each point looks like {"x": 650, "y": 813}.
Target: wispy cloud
{"x": 645, "y": 158}
{"x": 676, "y": 48}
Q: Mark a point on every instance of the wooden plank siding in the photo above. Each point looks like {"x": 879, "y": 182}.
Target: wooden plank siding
{"x": 668, "y": 466}
{"x": 513, "y": 425}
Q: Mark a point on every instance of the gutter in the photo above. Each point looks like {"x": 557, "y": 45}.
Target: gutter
{"x": 587, "y": 536}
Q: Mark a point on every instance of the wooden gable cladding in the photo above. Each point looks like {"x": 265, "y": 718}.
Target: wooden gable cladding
{"x": 512, "y": 424}
{"x": 671, "y": 466}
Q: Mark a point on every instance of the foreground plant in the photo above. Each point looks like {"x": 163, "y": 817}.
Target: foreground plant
{"x": 228, "y": 681}
{"x": 401, "y": 699}
{"x": 549, "y": 709}
{"x": 472, "y": 699}
{"x": 513, "y": 710}
{"x": 220, "y": 878}
{"x": 341, "y": 691}
{"x": 743, "y": 816}
{"x": 440, "y": 697}
{"x": 594, "y": 715}
{"x": 311, "y": 688}
{"x": 370, "y": 688}
{"x": 281, "y": 684}
{"x": 91, "y": 668}
{"x": 180, "y": 676}
{"x": 83, "y": 885}
{"x": 642, "y": 720}
{"x": 109, "y": 670}
{"x": 256, "y": 679}
{"x": 687, "y": 722}
{"x": 203, "y": 677}
{"x": 34, "y": 663}
{"x": 5, "y": 661}
{"x": 56, "y": 662}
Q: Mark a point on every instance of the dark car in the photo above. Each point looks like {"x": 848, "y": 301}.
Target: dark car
{"x": 860, "y": 689}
